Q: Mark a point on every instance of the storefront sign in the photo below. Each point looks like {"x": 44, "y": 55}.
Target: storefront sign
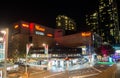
{"x": 37, "y": 27}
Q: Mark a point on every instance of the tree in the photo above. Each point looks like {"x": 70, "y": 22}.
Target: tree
{"x": 105, "y": 49}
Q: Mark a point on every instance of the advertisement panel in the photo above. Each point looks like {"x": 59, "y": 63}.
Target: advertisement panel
{"x": 2, "y": 46}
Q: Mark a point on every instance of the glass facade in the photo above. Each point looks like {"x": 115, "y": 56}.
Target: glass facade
{"x": 2, "y": 52}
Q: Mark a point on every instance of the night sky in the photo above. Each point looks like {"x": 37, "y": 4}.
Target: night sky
{"x": 45, "y": 12}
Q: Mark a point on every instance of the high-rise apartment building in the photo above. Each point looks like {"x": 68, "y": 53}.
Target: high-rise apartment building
{"x": 92, "y": 22}
{"x": 108, "y": 21}
{"x": 66, "y": 23}
{"x": 105, "y": 21}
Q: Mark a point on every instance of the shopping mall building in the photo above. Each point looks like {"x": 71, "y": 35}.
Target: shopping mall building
{"x": 56, "y": 44}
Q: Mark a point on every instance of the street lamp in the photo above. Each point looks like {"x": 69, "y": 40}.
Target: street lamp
{"x": 28, "y": 46}
{"x": 67, "y": 66}
{"x": 46, "y": 50}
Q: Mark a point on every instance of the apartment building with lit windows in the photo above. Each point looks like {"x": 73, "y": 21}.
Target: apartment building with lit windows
{"x": 105, "y": 22}
{"x": 92, "y": 22}
{"x": 66, "y": 23}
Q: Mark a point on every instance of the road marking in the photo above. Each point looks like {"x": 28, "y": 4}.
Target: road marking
{"x": 53, "y": 75}
{"x": 37, "y": 72}
{"x": 84, "y": 76}
{"x": 96, "y": 69}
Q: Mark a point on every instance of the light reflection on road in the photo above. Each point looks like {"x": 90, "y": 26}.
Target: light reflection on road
{"x": 70, "y": 68}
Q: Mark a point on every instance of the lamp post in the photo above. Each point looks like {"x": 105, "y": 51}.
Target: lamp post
{"x": 67, "y": 66}
{"x": 46, "y": 50}
{"x": 27, "y": 51}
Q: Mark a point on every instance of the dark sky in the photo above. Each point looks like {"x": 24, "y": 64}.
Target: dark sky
{"x": 45, "y": 12}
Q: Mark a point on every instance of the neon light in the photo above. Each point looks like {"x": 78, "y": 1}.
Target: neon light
{"x": 109, "y": 63}
{"x": 16, "y": 26}
{"x": 84, "y": 34}
{"x": 31, "y": 27}
{"x": 37, "y": 27}
{"x": 49, "y": 35}
{"x": 25, "y": 25}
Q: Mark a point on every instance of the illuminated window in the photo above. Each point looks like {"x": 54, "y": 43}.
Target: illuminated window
{"x": 16, "y": 26}
{"x": 111, "y": 32}
{"x": 66, "y": 21}
{"x": 111, "y": 25}
{"x": 101, "y": 7}
{"x": 66, "y": 28}
{"x": 73, "y": 28}
{"x": 66, "y": 17}
{"x": 106, "y": 25}
{"x": 103, "y": 34}
{"x": 59, "y": 24}
{"x": 94, "y": 14}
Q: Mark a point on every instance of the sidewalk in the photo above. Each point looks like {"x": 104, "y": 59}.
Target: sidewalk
{"x": 118, "y": 70}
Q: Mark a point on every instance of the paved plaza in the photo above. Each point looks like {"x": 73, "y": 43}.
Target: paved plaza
{"x": 118, "y": 71}
{"x": 80, "y": 71}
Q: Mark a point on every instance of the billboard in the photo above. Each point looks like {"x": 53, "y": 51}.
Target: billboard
{"x": 2, "y": 44}
{"x": 2, "y": 51}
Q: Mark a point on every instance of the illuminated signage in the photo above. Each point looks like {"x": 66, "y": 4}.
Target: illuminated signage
{"x": 85, "y": 34}
{"x": 49, "y": 35}
{"x": 31, "y": 27}
{"x": 37, "y": 27}
{"x": 16, "y": 26}
{"x": 117, "y": 51}
{"x": 25, "y": 25}
{"x": 39, "y": 33}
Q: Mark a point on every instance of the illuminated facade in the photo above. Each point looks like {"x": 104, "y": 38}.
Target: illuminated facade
{"x": 105, "y": 21}
{"x": 66, "y": 23}
{"x": 25, "y": 32}
{"x": 32, "y": 29}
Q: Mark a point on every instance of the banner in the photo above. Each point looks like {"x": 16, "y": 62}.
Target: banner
{"x": 46, "y": 49}
{"x": 28, "y": 47}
